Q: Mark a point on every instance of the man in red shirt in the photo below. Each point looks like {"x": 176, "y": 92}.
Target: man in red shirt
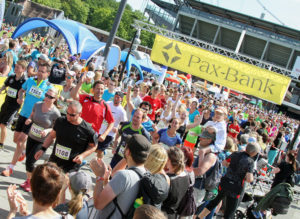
{"x": 234, "y": 129}
{"x": 94, "y": 109}
{"x": 154, "y": 101}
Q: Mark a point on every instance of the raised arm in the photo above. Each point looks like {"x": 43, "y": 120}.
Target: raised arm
{"x": 75, "y": 91}
{"x": 128, "y": 99}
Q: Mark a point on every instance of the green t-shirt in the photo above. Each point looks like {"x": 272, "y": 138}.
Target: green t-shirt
{"x": 193, "y": 134}
{"x": 86, "y": 87}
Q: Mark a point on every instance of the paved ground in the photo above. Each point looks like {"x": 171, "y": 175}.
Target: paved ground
{"x": 19, "y": 177}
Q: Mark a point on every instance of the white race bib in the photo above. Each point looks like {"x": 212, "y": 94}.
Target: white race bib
{"x": 11, "y": 92}
{"x": 36, "y": 92}
{"x": 121, "y": 150}
{"x": 62, "y": 152}
{"x": 36, "y": 130}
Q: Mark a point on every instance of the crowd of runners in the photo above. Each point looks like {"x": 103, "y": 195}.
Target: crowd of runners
{"x": 178, "y": 152}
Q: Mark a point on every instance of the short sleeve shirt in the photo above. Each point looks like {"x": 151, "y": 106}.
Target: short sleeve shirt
{"x": 13, "y": 87}
{"x": 71, "y": 140}
{"x": 155, "y": 105}
{"x": 126, "y": 131}
{"x": 240, "y": 164}
{"x": 42, "y": 120}
{"x": 94, "y": 112}
{"x": 167, "y": 140}
{"x": 34, "y": 93}
{"x": 108, "y": 96}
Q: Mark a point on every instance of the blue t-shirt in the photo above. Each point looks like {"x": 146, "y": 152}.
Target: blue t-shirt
{"x": 108, "y": 96}
{"x": 35, "y": 55}
{"x": 192, "y": 115}
{"x": 167, "y": 140}
{"x": 34, "y": 93}
{"x": 147, "y": 125}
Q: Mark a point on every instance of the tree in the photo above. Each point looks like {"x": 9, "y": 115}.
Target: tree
{"x": 101, "y": 14}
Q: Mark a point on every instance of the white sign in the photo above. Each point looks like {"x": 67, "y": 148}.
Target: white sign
{"x": 296, "y": 69}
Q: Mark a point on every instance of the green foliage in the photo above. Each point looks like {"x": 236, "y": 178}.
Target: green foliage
{"x": 101, "y": 14}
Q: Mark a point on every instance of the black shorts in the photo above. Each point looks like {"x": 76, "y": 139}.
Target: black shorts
{"x": 105, "y": 144}
{"x": 21, "y": 127}
{"x": 6, "y": 113}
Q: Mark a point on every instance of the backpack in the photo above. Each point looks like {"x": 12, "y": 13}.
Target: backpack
{"x": 212, "y": 180}
{"x": 151, "y": 191}
{"x": 187, "y": 205}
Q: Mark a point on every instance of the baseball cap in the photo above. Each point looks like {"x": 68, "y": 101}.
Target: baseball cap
{"x": 206, "y": 134}
{"x": 80, "y": 180}
{"x": 139, "y": 146}
{"x": 90, "y": 74}
{"x": 221, "y": 110}
{"x": 119, "y": 93}
{"x": 44, "y": 57}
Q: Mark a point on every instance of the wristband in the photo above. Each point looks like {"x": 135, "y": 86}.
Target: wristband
{"x": 99, "y": 178}
{"x": 43, "y": 149}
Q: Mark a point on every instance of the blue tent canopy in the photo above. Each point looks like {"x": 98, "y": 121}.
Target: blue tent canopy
{"x": 147, "y": 65}
{"x": 78, "y": 37}
{"x": 131, "y": 62}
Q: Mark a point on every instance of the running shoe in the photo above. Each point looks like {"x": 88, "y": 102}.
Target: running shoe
{"x": 24, "y": 184}
{"x": 27, "y": 187}
{"x": 7, "y": 172}
{"x": 22, "y": 157}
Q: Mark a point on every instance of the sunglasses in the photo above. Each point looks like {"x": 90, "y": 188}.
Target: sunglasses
{"x": 69, "y": 77}
{"x": 49, "y": 96}
{"x": 72, "y": 115}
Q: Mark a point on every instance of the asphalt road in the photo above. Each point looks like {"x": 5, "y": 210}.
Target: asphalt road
{"x": 19, "y": 176}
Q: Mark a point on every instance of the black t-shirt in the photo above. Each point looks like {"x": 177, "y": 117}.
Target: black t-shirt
{"x": 13, "y": 87}
{"x": 240, "y": 164}
{"x": 71, "y": 140}
{"x": 57, "y": 75}
{"x": 286, "y": 171}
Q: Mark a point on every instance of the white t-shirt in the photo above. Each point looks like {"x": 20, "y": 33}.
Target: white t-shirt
{"x": 119, "y": 115}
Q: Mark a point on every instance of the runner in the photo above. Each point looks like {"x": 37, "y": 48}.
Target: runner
{"x": 74, "y": 140}
{"x": 35, "y": 90}
{"x": 10, "y": 106}
{"x": 41, "y": 120}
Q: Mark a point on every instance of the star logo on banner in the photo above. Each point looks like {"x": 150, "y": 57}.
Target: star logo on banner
{"x": 167, "y": 49}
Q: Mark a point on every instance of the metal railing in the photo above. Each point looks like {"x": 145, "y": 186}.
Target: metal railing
{"x": 213, "y": 48}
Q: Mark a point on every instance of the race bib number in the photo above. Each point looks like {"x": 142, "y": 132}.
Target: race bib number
{"x": 36, "y": 130}
{"x": 11, "y": 92}
{"x": 121, "y": 150}
{"x": 62, "y": 152}
{"x": 36, "y": 92}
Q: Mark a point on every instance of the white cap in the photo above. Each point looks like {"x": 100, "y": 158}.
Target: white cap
{"x": 44, "y": 57}
{"x": 72, "y": 73}
{"x": 90, "y": 74}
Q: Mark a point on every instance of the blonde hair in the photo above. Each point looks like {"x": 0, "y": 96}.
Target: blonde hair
{"x": 76, "y": 203}
{"x": 157, "y": 159}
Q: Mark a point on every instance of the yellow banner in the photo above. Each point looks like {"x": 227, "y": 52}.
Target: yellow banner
{"x": 219, "y": 69}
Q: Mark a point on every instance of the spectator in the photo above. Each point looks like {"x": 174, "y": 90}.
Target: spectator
{"x": 46, "y": 183}
{"x": 123, "y": 186}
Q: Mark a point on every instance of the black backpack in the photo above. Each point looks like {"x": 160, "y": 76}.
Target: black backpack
{"x": 212, "y": 180}
{"x": 187, "y": 206}
{"x": 151, "y": 191}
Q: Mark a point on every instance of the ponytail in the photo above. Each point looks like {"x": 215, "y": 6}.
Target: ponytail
{"x": 76, "y": 203}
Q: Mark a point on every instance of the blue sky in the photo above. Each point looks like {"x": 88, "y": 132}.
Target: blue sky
{"x": 287, "y": 11}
